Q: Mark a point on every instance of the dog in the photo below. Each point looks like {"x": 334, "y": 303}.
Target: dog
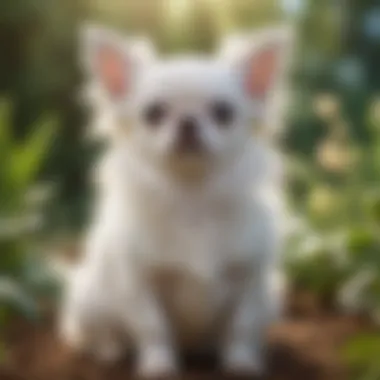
{"x": 187, "y": 228}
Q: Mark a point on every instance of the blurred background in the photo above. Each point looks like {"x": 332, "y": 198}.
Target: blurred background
{"x": 331, "y": 139}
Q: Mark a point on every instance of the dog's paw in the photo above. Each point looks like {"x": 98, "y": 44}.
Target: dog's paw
{"x": 241, "y": 361}
{"x": 157, "y": 362}
{"x": 72, "y": 334}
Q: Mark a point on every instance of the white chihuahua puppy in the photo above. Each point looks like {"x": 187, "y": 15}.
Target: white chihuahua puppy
{"x": 186, "y": 234}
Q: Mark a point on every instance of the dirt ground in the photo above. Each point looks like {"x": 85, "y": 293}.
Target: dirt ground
{"x": 305, "y": 346}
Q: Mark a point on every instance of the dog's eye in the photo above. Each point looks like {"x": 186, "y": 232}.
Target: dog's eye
{"x": 222, "y": 113}
{"x": 155, "y": 114}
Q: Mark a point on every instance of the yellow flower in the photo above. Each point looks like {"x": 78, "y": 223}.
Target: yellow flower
{"x": 336, "y": 156}
{"x": 326, "y": 106}
{"x": 322, "y": 200}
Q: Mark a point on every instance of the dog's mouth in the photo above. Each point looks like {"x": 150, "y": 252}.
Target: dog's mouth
{"x": 189, "y": 159}
{"x": 189, "y": 146}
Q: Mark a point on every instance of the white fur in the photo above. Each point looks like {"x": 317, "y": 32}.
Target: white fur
{"x": 210, "y": 227}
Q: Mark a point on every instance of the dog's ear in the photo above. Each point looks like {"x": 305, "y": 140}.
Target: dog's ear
{"x": 261, "y": 61}
{"x": 112, "y": 61}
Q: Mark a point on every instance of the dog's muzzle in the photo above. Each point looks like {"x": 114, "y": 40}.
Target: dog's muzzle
{"x": 188, "y": 137}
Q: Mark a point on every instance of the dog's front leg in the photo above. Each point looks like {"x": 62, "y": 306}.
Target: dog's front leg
{"x": 152, "y": 335}
{"x": 246, "y": 328}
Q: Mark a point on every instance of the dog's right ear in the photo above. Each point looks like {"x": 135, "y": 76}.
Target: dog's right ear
{"x": 111, "y": 60}
{"x": 262, "y": 60}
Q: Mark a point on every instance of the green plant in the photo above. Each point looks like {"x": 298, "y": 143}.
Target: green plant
{"x": 362, "y": 354}
{"x": 335, "y": 251}
{"x": 20, "y": 217}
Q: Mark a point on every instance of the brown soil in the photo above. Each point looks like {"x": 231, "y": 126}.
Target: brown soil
{"x": 305, "y": 347}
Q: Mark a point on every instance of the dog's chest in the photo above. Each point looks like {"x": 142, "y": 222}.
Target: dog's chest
{"x": 192, "y": 246}
{"x": 191, "y": 265}
{"x": 194, "y": 233}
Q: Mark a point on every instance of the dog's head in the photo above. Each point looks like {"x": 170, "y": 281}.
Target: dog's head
{"x": 191, "y": 109}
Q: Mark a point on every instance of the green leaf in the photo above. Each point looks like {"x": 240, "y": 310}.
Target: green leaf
{"x": 362, "y": 351}
{"x": 27, "y": 157}
{"x": 361, "y": 244}
{"x": 16, "y": 299}
{"x": 5, "y": 145}
{"x": 375, "y": 210}
{"x": 4, "y": 315}
{"x": 39, "y": 278}
{"x": 3, "y": 352}
{"x": 5, "y": 136}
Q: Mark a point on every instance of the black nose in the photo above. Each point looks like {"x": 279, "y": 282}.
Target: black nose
{"x": 188, "y": 135}
{"x": 188, "y": 128}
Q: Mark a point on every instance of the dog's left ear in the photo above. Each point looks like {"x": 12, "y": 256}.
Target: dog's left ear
{"x": 261, "y": 62}
{"x": 111, "y": 60}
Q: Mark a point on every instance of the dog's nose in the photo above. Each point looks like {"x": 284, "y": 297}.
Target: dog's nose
{"x": 188, "y": 129}
{"x": 188, "y": 139}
